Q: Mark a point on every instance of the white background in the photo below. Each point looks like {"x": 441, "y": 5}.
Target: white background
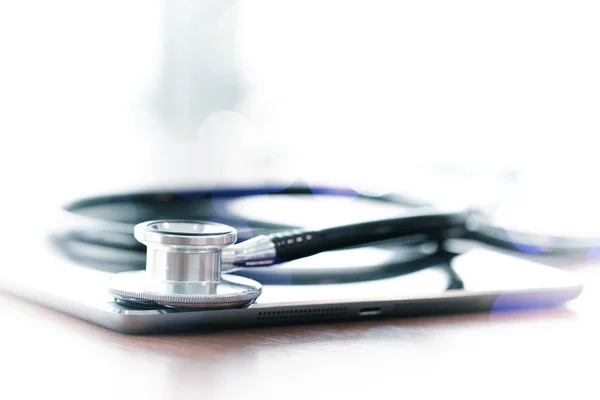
{"x": 100, "y": 96}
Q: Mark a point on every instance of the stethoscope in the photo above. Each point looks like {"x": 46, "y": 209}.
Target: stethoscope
{"x": 188, "y": 261}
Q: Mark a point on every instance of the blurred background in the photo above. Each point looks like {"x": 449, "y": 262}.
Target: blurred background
{"x": 490, "y": 103}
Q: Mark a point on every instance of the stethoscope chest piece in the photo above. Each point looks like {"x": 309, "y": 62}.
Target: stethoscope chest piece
{"x": 183, "y": 268}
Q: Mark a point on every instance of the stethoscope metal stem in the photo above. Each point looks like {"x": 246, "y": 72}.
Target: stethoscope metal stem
{"x": 165, "y": 264}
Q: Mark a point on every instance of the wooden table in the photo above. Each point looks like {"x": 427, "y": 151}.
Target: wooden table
{"x": 531, "y": 354}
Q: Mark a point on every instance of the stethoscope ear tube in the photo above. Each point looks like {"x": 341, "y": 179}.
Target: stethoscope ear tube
{"x": 299, "y": 244}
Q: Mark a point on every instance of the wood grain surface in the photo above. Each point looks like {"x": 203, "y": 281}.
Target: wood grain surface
{"x": 531, "y": 354}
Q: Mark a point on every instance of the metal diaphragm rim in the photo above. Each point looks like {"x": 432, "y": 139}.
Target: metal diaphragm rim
{"x": 229, "y": 292}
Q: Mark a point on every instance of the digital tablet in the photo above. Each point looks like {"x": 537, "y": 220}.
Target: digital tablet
{"x": 477, "y": 280}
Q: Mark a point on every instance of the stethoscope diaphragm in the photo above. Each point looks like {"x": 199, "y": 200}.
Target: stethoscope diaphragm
{"x": 183, "y": 267}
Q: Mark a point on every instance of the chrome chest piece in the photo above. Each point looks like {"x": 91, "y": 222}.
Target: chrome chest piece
{"x": 183, "y": 268}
